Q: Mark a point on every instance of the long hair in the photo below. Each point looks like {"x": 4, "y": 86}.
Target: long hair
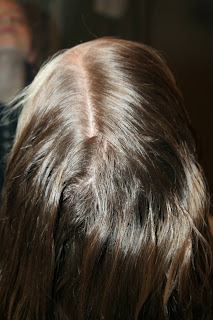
{"x": 104, "y": 212}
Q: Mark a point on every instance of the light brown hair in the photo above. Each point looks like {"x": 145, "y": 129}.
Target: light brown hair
{"x": 104, "y": 212}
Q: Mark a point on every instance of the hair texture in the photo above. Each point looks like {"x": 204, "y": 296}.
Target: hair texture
{"x": 104, "y": 212}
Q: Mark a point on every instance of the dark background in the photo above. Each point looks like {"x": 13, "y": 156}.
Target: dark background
{"x": 182, "y": 30}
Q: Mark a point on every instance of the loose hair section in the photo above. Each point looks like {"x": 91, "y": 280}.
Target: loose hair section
{"x": 104, "y": 212}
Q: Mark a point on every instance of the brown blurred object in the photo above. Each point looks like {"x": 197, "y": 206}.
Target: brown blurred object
{"x": 46, "y": 36}
{"x": 211, "y": 223}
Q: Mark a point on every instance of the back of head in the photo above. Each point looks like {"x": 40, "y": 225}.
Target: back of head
{"x": 104, "y": 211}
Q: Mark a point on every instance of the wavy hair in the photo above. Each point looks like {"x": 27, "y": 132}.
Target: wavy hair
{"x": 104, "y": 212}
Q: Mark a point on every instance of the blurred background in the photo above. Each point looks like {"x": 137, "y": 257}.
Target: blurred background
{"x": 182, "y": 30}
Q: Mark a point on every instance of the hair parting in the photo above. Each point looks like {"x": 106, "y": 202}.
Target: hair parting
{"x": 104, "y": 212}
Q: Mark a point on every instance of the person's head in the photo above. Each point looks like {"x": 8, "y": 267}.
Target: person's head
{"x": 15, "y": 31}
{"x": 104, "y": 211}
